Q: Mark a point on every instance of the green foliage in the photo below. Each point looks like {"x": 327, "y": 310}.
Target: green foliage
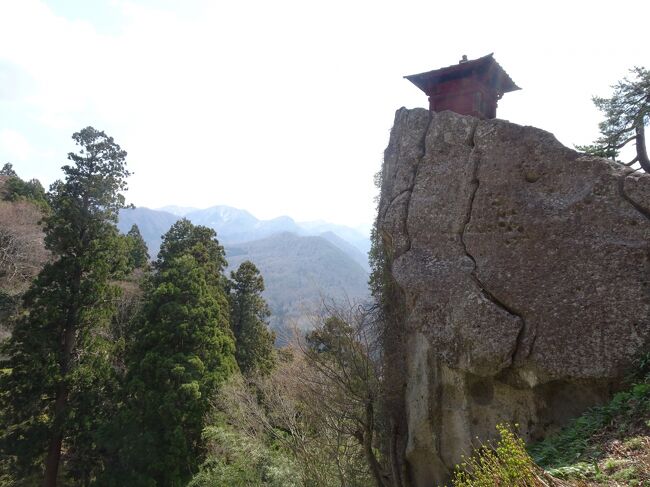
{"x": 238, "y": 460}
{"x": 8, "y": 170}
{"x": 389, "y": 314}
{"x": 626, "y": 114}
{"x": 7, "y": 305}
{"x": 248, "y": 318}
{"x": 285, "y": 414}
{"x": 60, "y": 385}
{"x": 598, "y": 151}
{"x": 15, "y": 189}
{"x": 585, "y": 450}
{"x": 573, "y": 444}
{"x": 181, "y": 352}
{"x": 505, "y": 463}
{"x": 32, "y": 190}
{"x": 138, "y": 252}
{"x": 196, "y": 240}
{"x": 315, "y": 269}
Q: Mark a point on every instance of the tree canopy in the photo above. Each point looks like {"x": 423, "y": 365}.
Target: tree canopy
{"x": 626, "y": 112}
{"x": 249, "y": 316}
{"x": 138, "y": 252}
{"x": 16, "y": 189}
{"x": 56, "y": 355}
{"x": 181, "y": 352}
{"x": 8, "y": 170}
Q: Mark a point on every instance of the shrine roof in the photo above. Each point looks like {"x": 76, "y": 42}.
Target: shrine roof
{"x": 425, "y": 80}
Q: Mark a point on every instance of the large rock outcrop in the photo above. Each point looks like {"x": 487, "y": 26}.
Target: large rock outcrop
{"x": 524, "y": 271}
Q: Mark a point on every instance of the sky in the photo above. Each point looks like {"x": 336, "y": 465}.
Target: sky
{"x": 284, "y": 107}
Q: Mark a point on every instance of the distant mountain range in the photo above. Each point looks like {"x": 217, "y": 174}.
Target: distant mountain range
{"x": 303, "y": 264}
{"x": 234, "y": 225}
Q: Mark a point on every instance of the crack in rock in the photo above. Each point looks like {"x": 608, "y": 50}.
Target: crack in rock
{"x": 621, "y": 189}
{"x": 517, "y": 349}
{"x": 390, "y": 203}
{"x": 416, "y": 170}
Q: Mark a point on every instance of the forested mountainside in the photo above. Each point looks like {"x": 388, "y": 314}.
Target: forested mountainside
{"x": 301, "y": 271}
{"x": 116, "y": 370}
{"x": 152, "y": 224}
{"x": 300, "y": 274}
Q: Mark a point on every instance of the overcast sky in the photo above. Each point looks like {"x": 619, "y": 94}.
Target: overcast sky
{"x": 284, "y": 107}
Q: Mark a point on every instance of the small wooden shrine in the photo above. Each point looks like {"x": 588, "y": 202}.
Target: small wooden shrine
{"x": 471, "y": 87}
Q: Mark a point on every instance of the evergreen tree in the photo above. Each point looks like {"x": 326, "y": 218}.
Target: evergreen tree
{"x": 198, "y": 241}
{"x": 182, "y": 351}
{"x": 16, "y": 189}
{"x": 8, "y": 170}
{"x": 249, "y": 315}
{"x": 627, "y": 113}
{"x": 138, "y": 252}
{"x": 55, "y": 384}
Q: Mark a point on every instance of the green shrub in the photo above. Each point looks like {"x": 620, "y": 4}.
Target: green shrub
{"x": 236, "y": 460}
{"x": 506, "y": 463}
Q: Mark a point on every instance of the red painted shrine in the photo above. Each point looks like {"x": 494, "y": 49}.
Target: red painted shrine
{"x": 469, "y": 87}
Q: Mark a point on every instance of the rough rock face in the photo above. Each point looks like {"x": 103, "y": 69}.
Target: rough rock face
{"x": 524, "y": 268}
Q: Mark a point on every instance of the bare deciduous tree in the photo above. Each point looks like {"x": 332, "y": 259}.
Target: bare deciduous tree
{"x": 22, "y": 252}
{"x": 344, "y": 352}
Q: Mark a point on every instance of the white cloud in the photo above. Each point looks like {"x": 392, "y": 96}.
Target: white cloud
{"x": 285, "y": 107}
{"x": 14, "y": 146}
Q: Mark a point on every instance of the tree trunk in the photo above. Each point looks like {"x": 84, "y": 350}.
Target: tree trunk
{"x": 375, "y": 468}
{"x": 641, "y": 152}
{"x": 53, "y": 459}
{"x": 61, "y": 402}
{"x": 60, "y": 407}
{"x": 54, "y": 451}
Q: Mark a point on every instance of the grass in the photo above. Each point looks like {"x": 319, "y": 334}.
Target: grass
{"x": 608, "y": 445}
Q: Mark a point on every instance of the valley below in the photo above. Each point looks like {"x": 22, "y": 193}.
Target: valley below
{"x": 305, "y": 265}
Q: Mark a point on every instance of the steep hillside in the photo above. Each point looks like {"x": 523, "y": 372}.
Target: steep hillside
{"x": 299, "y": 270}
{"x": 607, "y": 445}
{"x": 358, "y": 239}
{"x": 299, "y": 273}
{"x": 359, "y": 257}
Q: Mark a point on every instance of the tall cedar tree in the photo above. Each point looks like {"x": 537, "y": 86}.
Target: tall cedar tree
{"x": 627, "y": 113}
{"x": 182, "y": 351}
{"x": 249, "y": 315}
{"x": 138, "y": 252}
{"x": 55, "y": 366}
